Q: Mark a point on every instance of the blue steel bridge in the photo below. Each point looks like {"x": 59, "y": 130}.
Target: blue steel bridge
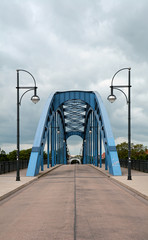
{"x": 69, "y": 113}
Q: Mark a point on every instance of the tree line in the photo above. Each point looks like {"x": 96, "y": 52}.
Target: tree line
{"x": 11, "y": 156}
{"x": 138, "y": 152}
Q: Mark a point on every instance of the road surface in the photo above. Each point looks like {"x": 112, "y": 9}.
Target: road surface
{"x": 74, "y": 202}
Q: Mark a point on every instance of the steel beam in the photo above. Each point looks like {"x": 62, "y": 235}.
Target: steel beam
{"x": 81, "y": 101}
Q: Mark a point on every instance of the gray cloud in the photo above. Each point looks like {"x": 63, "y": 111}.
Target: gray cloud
{"x": 73, "y": 45}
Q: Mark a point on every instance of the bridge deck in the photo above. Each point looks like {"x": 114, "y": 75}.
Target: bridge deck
{"x": 73, "y": 202}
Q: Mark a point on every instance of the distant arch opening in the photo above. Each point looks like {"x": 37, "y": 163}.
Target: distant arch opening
{"x": 74, "y": 161}
{"x": 74, "y": 144}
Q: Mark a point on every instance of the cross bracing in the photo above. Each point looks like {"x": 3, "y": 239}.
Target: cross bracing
{"x": 74, "y": 113}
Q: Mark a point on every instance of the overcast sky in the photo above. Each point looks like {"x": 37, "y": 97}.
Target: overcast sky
{"x": 73, "y": 45}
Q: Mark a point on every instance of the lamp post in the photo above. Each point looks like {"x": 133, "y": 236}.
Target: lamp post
{"x": 112, "y": 98}
{"x": 34, "y": 99}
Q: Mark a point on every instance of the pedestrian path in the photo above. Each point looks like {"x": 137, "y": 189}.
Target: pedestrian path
{"x": 74, "y": 202}
{"x": 9, "y": 185}
{"x": 138, "y": 184}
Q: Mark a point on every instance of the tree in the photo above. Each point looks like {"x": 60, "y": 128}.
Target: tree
{"x": 45, "y": 155}
{"x": 12, "y": 155}
{"x": 3, "y": 156}
{"x": 3, "y": 152}
{"x": 122, "y": 150}
{"x": 138, "y": 151}
{"x": 25, "y": 154}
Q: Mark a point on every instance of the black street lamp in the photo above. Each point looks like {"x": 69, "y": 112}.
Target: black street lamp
{"x": 34, "y": 99}
{"x": 112, "y": 98}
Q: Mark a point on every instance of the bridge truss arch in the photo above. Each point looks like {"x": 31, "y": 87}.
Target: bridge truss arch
{"x": 71, "y": 113}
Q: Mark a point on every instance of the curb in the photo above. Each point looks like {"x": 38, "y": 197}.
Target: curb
{"x": 122, "y": 184}
{"x": 26, "y": 184}
{"x": 51, "y": 169}
{"x": 106, "y": 174}
{"x": 130, "y": 188}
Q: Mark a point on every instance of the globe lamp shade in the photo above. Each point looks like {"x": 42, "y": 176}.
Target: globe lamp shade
{"x": 35, "y": 99}
{"x": 111, "y": 98}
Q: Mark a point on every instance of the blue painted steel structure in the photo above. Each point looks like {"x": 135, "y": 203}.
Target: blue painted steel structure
{"x": 70, "y": 113}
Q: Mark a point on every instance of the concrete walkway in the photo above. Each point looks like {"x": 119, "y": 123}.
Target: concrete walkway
{"x": 9, "y": 185}
{"x": 138, "y": 184}
{"x": 74, "y": 202}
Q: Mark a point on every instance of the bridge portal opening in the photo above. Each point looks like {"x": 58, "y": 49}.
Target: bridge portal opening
{"x": 74, "y": 144}
{"x": 75, "y": 161}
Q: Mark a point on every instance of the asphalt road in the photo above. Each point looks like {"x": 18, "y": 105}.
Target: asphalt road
{"x": 74, "y": 202}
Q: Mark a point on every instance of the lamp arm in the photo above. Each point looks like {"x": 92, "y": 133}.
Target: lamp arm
{"x": 117, "y": 73}
{"x": 24, "y": 94}
{"x": 122, "y": 92}
{"x": 22, "y": 70}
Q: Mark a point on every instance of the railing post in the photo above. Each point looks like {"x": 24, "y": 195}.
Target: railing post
{"x": 52, "y": 143}
{"x": 55, "y": 134}
{"x": 100, "y": 149}
{"x": 42, "y": 160}
{"x": 96, "y": 143}
{"x": 48, "y": 135}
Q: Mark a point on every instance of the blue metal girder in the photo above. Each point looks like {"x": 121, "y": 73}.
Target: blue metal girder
{"x": 76, "y": 102}
{"x": 71, "y": 133}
